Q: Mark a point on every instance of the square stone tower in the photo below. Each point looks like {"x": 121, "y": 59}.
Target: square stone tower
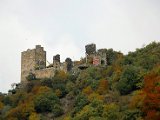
{"x": 32, "y": 60}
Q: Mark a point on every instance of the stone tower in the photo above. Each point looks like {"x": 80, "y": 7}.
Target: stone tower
{"x": 31, "y": 60}
{"x": 56, "y": 62}
{"x": 69, "y": 64}
{"x": 103, "y": 55}
{"x": 90, "y": 53}
{"x": 90, "y": 49}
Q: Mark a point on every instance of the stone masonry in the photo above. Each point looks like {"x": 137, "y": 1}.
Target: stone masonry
{"x": 95, "y": 57}
{"x": 33, "y": 61}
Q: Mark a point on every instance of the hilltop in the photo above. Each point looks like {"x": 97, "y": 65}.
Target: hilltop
{"x": 124, "y": 87}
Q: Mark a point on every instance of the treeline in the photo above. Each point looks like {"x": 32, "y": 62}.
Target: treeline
{"x": 127, "y": 89}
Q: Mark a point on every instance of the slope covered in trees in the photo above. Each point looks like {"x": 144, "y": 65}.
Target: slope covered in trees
{"x": 127, "y": 89}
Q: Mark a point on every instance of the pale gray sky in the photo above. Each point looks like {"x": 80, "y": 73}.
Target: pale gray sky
{"x": 66, "y": 26}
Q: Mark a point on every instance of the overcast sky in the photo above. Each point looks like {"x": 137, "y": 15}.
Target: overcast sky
{"x": 66, "y": 26}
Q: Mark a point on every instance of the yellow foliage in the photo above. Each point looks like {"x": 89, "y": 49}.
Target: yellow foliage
{"x": 67, "y": 118}
{"x": 137, "y": 99}
{"x": 62, "y": 75}
{"x": 111, "y": 106}
{"x": 41, "y": 89}
{"x": 86, "y": 110}
{"x": 88, "y": 90}
{"x": 109, "y": 109}
{"x": 58, "y": 92}
{"x": 103, "y": 87}
{"x": 95, "y": 96}
{"x": 34, "y": 116}
{"x": 1, "y": 105}
{"x": 20, "y": 111}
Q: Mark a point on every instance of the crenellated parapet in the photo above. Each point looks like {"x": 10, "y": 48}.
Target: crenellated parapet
{"x": 33, "y": 62}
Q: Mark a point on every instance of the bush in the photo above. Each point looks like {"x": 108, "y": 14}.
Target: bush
{"x": 31, "y": 76}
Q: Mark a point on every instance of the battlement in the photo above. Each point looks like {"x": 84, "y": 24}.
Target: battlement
{"x": 33, "y": 61}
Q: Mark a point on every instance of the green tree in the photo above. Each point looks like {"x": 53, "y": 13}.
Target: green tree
{"x": 80, "y": 101}
{"x": 128, "y": 80}
{"x": 48, "y": 102}
{"x": 111, "y": 112}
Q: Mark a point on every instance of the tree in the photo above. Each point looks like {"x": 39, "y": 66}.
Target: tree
{"x": 34, "y": 116}
{"x": 111, "y": 112}
{"x": 41, "y": 89}
{"x": 80, "y": 101}
{"x": 45, "y": 102}
{"x": 48, "y": 102}
{"x": 93, "y": 110}
{"x": 88, "y": 90}
{"x": 1, "y": 105}
{"x": 47, "y": 82}
{"x": 151, "y": 103}
{"x": 128, "y": 80}
{"x": 21, "y": 112}
{"x": 134, "y": 114}
{"x": 103, "y": 87}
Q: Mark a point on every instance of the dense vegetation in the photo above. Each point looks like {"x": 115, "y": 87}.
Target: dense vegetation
{"x": 127, "y": 89}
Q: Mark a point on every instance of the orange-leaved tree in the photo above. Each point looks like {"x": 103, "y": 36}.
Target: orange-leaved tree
{"x": 102, "y": 87}
{"x": 151, "y": 103}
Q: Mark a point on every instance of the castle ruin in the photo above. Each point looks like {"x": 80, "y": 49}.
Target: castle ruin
{"x": 96, "y": 57}
{"x": 33, "y": 62}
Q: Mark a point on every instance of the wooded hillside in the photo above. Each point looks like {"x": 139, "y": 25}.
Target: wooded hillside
{"x": 127, "y": 89}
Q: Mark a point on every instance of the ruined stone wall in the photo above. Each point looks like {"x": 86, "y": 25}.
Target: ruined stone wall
{"x": 63, "y": 67}
{"x": 34, "y": 61}
{"x": 45, "y": 73}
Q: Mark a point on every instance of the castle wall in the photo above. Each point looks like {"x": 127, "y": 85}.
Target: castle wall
{"x": 34, "y": 61}
{"x": 45, "y": 73}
